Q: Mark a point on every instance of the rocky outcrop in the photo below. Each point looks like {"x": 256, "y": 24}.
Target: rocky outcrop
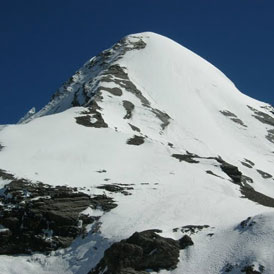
{"x": 231, "y": 170}
{"x": 134, "y": 128}
{"x": 193, "y": 229}
{"x": 39, "y": 217}
{"x": 189, "y": 157}
{"x": 265, "y": 118}
{"x": 233, "y": 117}
{"x": 235, "y": 175}
{"x": 116, "y": 188}
{"x": 136, "y": 140}
{"x": 247, "y": 163}
{"x": 244, "y": 182}
{"x": 92, "y": 117}
{"x": 264, "y": 174}
{"x": 185, "y": 241}
{"x": 142, "y": 251}
{"x": 129, "y": 107}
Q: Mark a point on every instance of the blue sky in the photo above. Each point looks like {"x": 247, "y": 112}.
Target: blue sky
{"x": 43, "y": 42}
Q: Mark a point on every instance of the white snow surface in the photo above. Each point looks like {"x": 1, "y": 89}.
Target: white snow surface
{"x": 52, "y": 148}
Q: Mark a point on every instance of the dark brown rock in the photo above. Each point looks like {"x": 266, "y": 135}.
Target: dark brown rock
{"x": 189, "y": 158}
{"x": 129, "y": 107}
{"x": 143, "y": 250}
{"x": 264, "y": 174}
{"x": 185, "y": 241}
{"x": 41, "y": 217}
{"x": 134, "y": 128}
{"x": 136, "y": 140}
{"x": 116, "y": 188}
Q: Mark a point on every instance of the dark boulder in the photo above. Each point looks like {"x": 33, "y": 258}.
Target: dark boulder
{"x": 185, "y": 241}
{"x": 143, "y": 250}
{"x": 136, "y": 140}
{"x": 231, "y": 170}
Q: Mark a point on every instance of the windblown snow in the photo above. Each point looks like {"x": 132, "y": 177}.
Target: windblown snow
{"x": 152, "y": 115}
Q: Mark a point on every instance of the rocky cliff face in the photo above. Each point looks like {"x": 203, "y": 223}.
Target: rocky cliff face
{"x": 148, "y": 159}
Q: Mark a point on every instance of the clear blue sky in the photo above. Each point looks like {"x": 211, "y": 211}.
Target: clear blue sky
{"x": 43, "y": 42}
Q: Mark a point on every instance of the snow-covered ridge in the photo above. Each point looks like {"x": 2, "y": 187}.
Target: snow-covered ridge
{"x": 82, "y": 86}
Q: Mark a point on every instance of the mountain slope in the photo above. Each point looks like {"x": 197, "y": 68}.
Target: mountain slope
{"x": 149, "y": 116}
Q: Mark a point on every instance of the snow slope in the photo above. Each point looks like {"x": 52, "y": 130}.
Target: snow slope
{"x": 149, "y": 86}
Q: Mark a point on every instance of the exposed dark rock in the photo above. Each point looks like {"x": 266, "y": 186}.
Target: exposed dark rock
{"x": 262, "y": 116}
{"x": 103, "y": 202}
{"x": 134, "y": 128}
{"x": 231, "y": 170}
{"x": 233, "y": 117}
{"x": 193, "y": 229}
{"x": 84, "y": 121}
{"x": 127, "y": 185}
{"x": 266, "y": 119}
{"x": 269, "y": 108}
{"x": 238, "y": 121}
{"x": 247, "y": 223}
{"x": 75, "y": 102}
{"x": 129, "y": 270}
{"x": 243, "y": 181}
{"x": 129, "y": 107}
{"x": 249, "y": 162}
{"x": 136, "y": 140}
{"x": 113, "y": 91}
{"x": 116, "y": 71}
{"x": 228, "y": 267}
{"x": 246, "y": 181}
{"x": 85, "y": 93}
{"x": 185, "y": 241}
{"x": 142, "y": 251}
{"x": 212, "y": 173}
{"x": 101, "y": 171}
{"x": 246, "y": 164}
{"x": 117, "y": 75}
{"x": 40, "y": 217}
{"x": 236, "y": 177}
{"x": 116, "y": 188}
{"x": 250, "y": 270}
{"x": 257, "y": 197}
{"x": 270, "y": 135}
{"x": 93, "y": 114}
{"x": 5, "y": 175}
{"x": 162, "y": 116}
{"x": 228, "y": 113}
{"x": 186, "y": 157}
{"x": 234, "y": 173}
{"x": 264, "y": 174}
{"x": 1, "y": 147}
{"x": 136, "y": 45}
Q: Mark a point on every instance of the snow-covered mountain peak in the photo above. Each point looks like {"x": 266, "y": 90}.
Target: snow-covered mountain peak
{"x": 145, "y": 135}
{"x": 147, "y": 54}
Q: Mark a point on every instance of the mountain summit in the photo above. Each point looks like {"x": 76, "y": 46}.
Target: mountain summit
{"x": 148, "y": 159}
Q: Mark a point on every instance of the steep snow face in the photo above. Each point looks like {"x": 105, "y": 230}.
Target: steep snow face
{"x": 151, "y": 115}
